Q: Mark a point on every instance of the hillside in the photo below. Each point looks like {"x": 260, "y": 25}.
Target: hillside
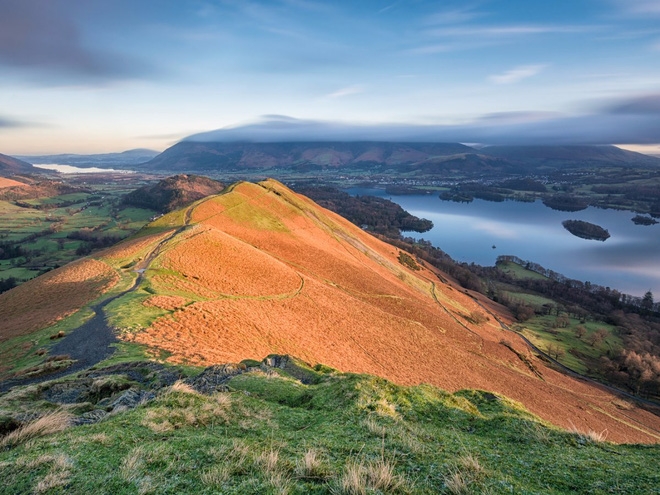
{"x": 173, "y": 192}
{"x": 12, "y": 166}
{"x": 250, "y": 157}
{"x": 101, "y": 160}
{"x": 418, "y": 159}
{"x": 260, "y": 270}
{"x": 30, "y": 187}
{"x": 279, "y": 426}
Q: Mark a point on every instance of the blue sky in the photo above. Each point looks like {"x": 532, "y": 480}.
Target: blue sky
{"x": 99, "y": 76}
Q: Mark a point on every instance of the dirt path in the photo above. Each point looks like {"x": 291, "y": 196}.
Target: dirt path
{"x": 91, "y": 342}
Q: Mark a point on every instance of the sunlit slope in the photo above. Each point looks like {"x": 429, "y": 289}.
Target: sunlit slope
{"x": 260, "y": 270}
{"x": 42, "y": 301}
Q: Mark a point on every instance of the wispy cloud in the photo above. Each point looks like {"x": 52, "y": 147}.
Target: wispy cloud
{"x": 517, "y": 74}
{"x": 347, "y": 91}
{"x": 639, "y": 7}
{"x": 432, "y": 49}
{"x": 10, "y": 123}
{"x": 510, "y": 30}
{"x": 453, "y": 16}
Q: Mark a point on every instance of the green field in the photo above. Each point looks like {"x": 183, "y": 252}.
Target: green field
{"x": 517, "y": 271}
{"x": 563, "y": 344}
{"x": 44, "y": 232}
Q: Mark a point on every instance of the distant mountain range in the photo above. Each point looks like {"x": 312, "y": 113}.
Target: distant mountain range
{"x": 103, "y": 160}
{"x": 384, "y": 157}
{"x": 388, "y": 158}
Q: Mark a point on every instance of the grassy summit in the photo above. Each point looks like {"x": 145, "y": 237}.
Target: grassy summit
{"x": 265, "y": 431}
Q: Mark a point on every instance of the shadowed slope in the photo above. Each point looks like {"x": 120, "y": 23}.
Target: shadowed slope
{"x": 263, "y": 270}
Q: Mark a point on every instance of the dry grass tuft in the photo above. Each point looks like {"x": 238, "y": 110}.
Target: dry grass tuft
{"x": 192, "y": 409}
{"x": 380, "y": 476}
{"x": 595, "y": 436}
{"x": 590, "y": 436}
{"x": 471, "y": 464}
{"x": 268, "y": 461}
{"x": 131, "y": 464}
{"x": 463, "y": 475}
{"x": 375, "y": 428}
{"x": 215, "y": 476}
{"x": 361, "y": 478}
{"x": 457, "y": 483}
{"x": 50, "y": 423}
{"x": 310, "y": 466}
{"x": 182, "y": 387}
{"x": 57, "y": 476}
{"x": 52, "y": 480}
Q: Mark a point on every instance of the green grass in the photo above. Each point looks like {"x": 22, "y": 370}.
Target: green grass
{"x": 578, "y": 352}
{"x": 17, "y": 223}
{"x": 129, "y": 314}
{"x": 519, "y": 272}
{"x": 530, "y": 299}
{"x": 256, "y": 437}
{"x": 19, "y": 353}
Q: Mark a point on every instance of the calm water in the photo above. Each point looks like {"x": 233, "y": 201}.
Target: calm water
{"x": 628, "y": 261}
{"x": 70, "y": 169}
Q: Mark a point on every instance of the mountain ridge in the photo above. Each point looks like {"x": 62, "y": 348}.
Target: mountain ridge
{"x": 260, "y": 269}
{"x": 385, "y": 157}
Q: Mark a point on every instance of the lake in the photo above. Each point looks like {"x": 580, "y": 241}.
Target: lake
{"x": 70, "y": 169}
{"x": 628, "y": 261}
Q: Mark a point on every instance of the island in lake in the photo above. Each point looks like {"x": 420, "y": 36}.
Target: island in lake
{"x": 586, "y": 230}
{"x": 644, "y": 220}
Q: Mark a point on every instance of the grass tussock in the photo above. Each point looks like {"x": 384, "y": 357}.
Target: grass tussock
{"x": 464, "y": 476}
{"x": 375, "y": 428}
{"x": 216, "y": 476}
{"x": 185, "y": 407}
{"x": 274, "y": 473}
{"x": 590, "y": 436}
{"x": 183, "y": 388}
{"x": 310, "y": 466}
{"x": 360, "y": 478}
{"x": 57, "y": 476}
{"x": 45, "y": 425}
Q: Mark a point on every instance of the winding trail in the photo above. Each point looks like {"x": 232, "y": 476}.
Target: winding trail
{"x": 91, "y": 342}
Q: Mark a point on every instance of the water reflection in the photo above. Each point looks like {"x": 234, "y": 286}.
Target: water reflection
{"x": 628, "y": 261}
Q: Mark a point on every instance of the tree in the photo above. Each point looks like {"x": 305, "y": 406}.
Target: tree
{"x": 555, "y": 351}
{"x": 580, "y": 331}
{"x": 647, "y": 301}
{"x": 597, "y": 337}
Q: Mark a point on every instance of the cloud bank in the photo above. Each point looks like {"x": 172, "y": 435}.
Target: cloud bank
{"x": 9, "y": 123}
{"x": 632, "y": 121}
{"x": 41, "y": 35}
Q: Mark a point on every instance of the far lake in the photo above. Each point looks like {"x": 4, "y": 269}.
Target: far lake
{"x": 628, "y": 261}
{"x": 70, "y": 169}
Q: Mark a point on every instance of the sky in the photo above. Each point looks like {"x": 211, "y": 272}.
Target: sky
{"x": 92, "y": 76}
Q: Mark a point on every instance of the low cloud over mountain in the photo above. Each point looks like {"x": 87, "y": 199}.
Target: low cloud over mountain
{"x": 635, "y": 120}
